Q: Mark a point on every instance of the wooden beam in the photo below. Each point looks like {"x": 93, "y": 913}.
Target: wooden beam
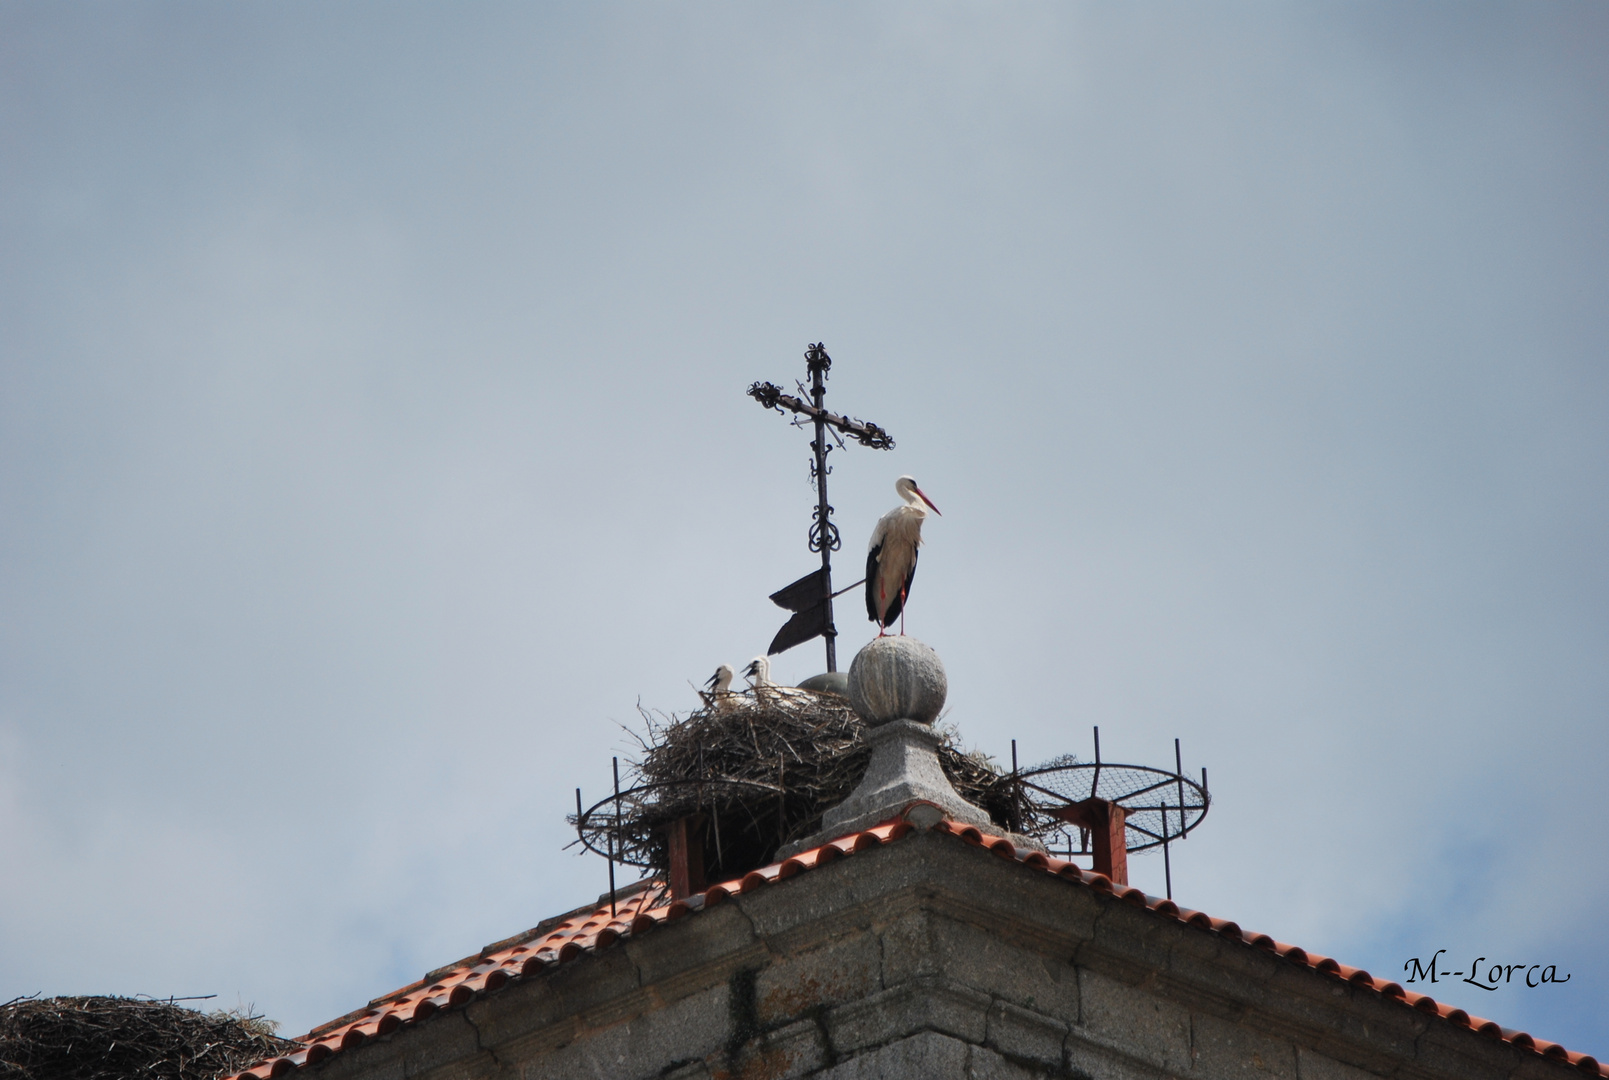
{"x": 686, "y": 856}
{"x": 1105, "y": 820}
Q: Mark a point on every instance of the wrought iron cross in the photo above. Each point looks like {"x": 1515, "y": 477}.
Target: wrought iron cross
{"x": 810, "y": 598}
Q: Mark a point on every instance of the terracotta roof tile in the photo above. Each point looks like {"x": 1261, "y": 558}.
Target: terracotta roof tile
{"x": 563, "y": 940}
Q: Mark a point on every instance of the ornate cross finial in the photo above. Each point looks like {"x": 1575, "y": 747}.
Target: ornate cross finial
{"x": 810, "y": 598}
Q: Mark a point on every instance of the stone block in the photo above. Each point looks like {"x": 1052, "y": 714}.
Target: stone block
{"x": 852, "y": 890}
{"x": 1020, "y": 903}
{"x": 1229, "y": 1051}
{"x": 607, "y": 981}
{"x": 923, "y": 1005}
{"x": 1085, "y": 1060}
{"x": 448, "y": 1045}
{"x": 910, "y": 950}
{"x": 1025, "y": 1035}
{"x": 690, "y": 1029}
{"x": 1152, "y": 1029}
{"x": 1447, "y": 1049}
{"x": 717, "y": 938}
{"x": 379, "y": 1059}
{"x": 984, "y": 1064}
{"x": 1366, "y": 1030}
{"x": 926, "y": 1055}
{"x": 793, "y": 1050}
{"x": 979, "y": 957}
{"x": 844, "y": 968}
{"x": 1132, "y": 944}
{"x": 1312, "y": 1065}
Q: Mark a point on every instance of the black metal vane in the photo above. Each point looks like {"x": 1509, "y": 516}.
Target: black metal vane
{"x": 810, "y": 598}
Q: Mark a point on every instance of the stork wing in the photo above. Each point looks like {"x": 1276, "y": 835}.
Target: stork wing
{"x": 871, "y": 583}
{"x": 896, "y": 602}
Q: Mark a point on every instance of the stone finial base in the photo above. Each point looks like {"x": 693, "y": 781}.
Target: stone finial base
{"x": 904, "y": 769}
{"x": 897, "y": 686}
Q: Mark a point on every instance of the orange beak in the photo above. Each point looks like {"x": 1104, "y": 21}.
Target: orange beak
{"x": 929, "y": 501}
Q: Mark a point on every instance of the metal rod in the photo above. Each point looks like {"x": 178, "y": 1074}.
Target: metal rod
{"x": 715, "y": 823}
{"x": 1167, "y": 865}
{"x": 1095, "y": 783}
{"x": 1178, "y": 770}
{"x": 770, "y": 396}
{"x": 1146, "y": 790}
{"x": 616, "y": 825}
{"x": 816, "y": 360}
{"x": 1016, "y": 792}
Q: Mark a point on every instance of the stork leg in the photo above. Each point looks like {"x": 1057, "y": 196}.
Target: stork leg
{"x": 902, "y": 612}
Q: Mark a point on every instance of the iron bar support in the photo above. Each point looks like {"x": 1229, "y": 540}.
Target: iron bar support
{"x": 615, "y": 826}
{"x": 1178, "y": 770}
{"x": 1095, "y": 784}
{"x": 818, "y": 362}
{"x": 1167, "y": 864}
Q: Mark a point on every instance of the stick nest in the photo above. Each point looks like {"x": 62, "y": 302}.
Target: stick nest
{"x": 755, "y": 773}
{"x": 114, "y": 1038}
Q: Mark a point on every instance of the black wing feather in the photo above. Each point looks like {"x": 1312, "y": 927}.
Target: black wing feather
{"x": 871, "y": 582}
{"x": 896, "y": 603}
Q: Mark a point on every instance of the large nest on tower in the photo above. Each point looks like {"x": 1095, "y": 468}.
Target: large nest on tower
{"x": 114, "y": 1038}
{"x": 752, "y": 774}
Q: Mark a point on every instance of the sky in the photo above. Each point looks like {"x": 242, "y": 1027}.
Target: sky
{"x": 373, "y": 444}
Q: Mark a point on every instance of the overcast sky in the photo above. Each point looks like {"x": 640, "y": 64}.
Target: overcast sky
{"x": 373, "y": 440}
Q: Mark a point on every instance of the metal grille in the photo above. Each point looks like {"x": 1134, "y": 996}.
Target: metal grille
{"x": 1161, "y": 805}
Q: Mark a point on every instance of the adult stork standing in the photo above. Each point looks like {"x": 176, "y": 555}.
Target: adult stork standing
{"x": 891, "y": 558}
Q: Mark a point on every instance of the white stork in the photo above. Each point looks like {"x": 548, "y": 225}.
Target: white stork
{"x": 759, "y": 675}
{"x": 891, "y": 558}
{"x": 719, "y": 688}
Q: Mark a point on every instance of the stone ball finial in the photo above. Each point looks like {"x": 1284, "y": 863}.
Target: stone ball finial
{"x": 897, "y": 678}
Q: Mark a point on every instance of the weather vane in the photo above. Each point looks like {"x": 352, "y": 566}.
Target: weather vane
{"x": 810, "y": 598}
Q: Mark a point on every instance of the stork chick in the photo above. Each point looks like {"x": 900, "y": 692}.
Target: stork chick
{"x": 718, "y": 692}
{"x": 759, "y": 675}
{"x": 765, "y": 691}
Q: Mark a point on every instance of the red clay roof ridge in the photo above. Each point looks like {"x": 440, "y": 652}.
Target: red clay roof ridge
{"x": 564, "y": 938}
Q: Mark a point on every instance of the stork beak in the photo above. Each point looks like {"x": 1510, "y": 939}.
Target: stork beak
{"x": 929, "y": 501}
{"x": 712, "y": 680}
